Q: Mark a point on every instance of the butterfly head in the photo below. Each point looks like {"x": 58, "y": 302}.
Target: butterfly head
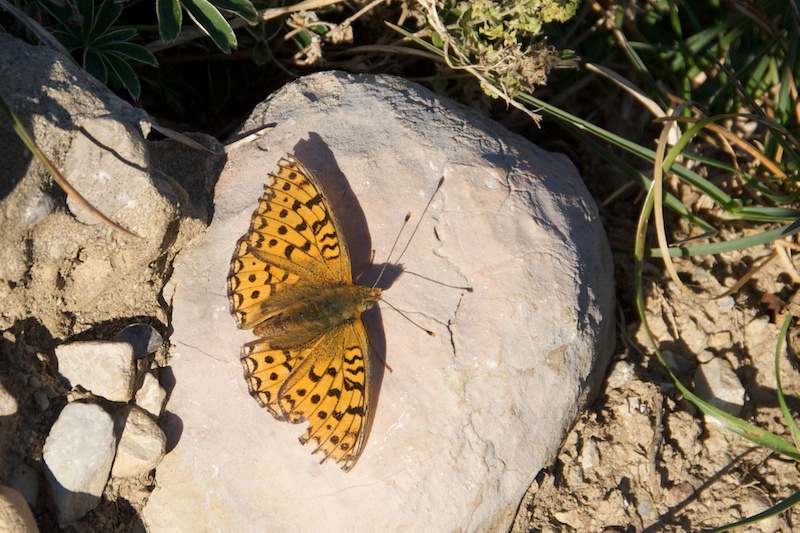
{"x": 366, "y": 297}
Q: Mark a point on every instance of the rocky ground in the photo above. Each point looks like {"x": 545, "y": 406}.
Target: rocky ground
{"x": 644, "y": 459}
{"x": 639, "y": 459}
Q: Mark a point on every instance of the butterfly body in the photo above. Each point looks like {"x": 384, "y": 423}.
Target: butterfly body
{"x": 297, "y": 317}
{"x": 291, "y": 283}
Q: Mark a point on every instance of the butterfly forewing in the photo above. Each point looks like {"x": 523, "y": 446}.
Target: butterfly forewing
{"x": 292, "y": 263}
{"x": 293, "y": 235}
{"x": 300, "y": 214}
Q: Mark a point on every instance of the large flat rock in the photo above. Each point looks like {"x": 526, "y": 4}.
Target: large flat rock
{"x": 465, "y": 420}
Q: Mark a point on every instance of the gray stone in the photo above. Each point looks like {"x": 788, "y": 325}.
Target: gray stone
{"x": 752, "y": 503}
{"x": 15, "y": 515}
{"x": 142, "y": 444}
{"x": 78, "y": 454}
{"x": 41, "y": 399}
{"x": 96, "y": 172}
{"x": 646, "y": 511}
{"x": 143, "y": 337}
{"x": 39, "y": 209}
{"x": 590, "y": 455}
{"x": 104, "y": 368}
{"x": 466, "y": 419}
{"x": 620, "y": 375}
{"x": 717, "y": 383}
{"x": 574, "y": 476}
{"x": 151, "y": 396}
{"x": 69, "y": 271}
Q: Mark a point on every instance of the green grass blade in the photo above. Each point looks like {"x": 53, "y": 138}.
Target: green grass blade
{"x": 787, "y": 414}
{"x": 728, "y": 246}
{"x": 740, "y": 427}
{"x": 785, "y": 505}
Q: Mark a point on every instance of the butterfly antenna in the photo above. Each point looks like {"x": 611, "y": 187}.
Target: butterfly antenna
{"x": 429, "y": 332}
{"x": 380, "y": 274}
{"x": 430, "y": 201}
{"x": 397, "y": 239}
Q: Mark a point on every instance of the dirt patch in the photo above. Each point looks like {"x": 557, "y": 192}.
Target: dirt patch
{"x": 643, "y": 459}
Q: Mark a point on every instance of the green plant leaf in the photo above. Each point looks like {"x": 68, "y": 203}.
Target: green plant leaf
{"x": 105, "y": 50}
{"x": 728, "y": 246}
{"x": 68, "y": 40}
{"x": 86, "y": 10}
{"x": 740, "y": 427}
{"x": 211, "y": 22}
{"x": 266, "y": 30}
{"x": 108, "y": 13}
{"x": 261, "y": 54}
{"x": 112, "y": 38}
{"x": 303, "y": 38}
{"x": 765, "y": 214}
{"x": 93, "y": 64}
{"x": 60, "y": 11}
{"x": 124, "y": 74}
{"x": 136, "y": 52}
{"x": 170, "y": 18}
{"x": 775, "y": 510}
{"x": 241, "y": 8}
{"x": 787, "y": 413}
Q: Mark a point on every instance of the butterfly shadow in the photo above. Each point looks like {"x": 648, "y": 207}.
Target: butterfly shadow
{"x": 316, "y": 155}
{"x": 373, "y": 322}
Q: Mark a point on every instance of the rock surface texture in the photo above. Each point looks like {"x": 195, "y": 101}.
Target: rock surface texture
{"x": 78, "y": 455}
{"x": 15, "y": 515}
{"x": 466, "y": 419}
{"x": 104, "y": 368}
{"x": 67, "y": 280}
{"x": 141, "y": 445}
{"x": 61, "y": 265}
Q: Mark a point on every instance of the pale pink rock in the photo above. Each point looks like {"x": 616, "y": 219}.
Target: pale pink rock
{"x": 466, "y": 419}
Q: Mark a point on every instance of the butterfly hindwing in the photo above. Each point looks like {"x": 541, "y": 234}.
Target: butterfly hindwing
{"x": 266, "y": 369}
{"x": 330, "y": 390}
{"x": 252, "y": 281}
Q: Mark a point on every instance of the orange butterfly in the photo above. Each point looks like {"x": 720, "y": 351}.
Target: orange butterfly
{"x": 291, "y": 282}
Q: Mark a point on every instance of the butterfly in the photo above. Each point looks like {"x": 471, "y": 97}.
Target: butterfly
{"x": 291, "y": 282}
